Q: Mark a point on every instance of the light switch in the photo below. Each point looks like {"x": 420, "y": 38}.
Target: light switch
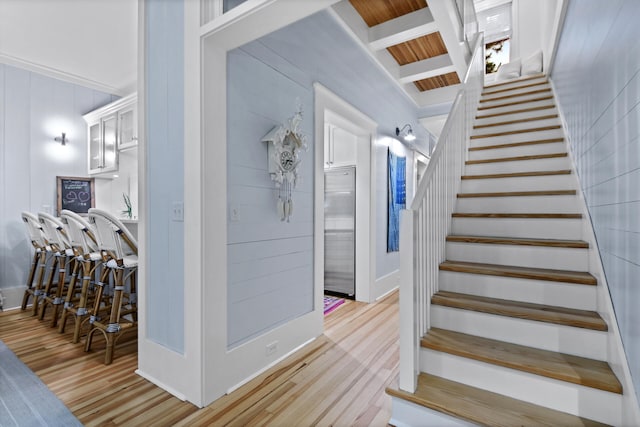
{"x": 234, "y": 213}
{"x": 177, "y": 211}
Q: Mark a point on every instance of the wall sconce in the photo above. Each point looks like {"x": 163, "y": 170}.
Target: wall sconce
{"x": 406, "y": 135}
{"x": 61, "y": 139}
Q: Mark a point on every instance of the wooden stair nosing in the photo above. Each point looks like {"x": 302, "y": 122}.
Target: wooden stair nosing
{"x": 515, "y": 132}
{"x": 519, "y": 241}
{"x": 513, "y": 122}
{"x": 517, "y": 158}
{"x": 544, "y": 274}
{"x": 517, "y": 144}
{"x": 517, "y": 174}
{"x": 522, "y": 310}
{"x": 524, "y": 110}
{"x": 519, "y": 194}
{"x": 515, "y": 95}
{"x": 518, "y": 215}
{"x": 484, "y": 407}
{"x": 536, "y": 76}
{"x": 563, "y": 367}
{"x": 515, "y": 88}
{"x": 509, "y": 104}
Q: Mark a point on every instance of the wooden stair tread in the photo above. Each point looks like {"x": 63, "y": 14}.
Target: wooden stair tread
{"x": 515, "y": 88}
{"x": 519, "y": 194}
{"x": 518, "y": 174}
{"x": 546, "y": 274}
{"x": 517, "y": 144}
{"x": 519, "y": 241}
{"x": 517, "y": 80}
{"x": 517, "y": 215}
{"x": 515, "y": 95}
{"x": 522, "y": 310}
{"x": 517, "y": 158}
{"x": 564, "y": 367}
{"x": 484, "y": 407}
{"x": 509, "y": 104}
{"x": 522, "y": 110}
{"x": 513, "y": 122}
{"x": 515, "y": 132}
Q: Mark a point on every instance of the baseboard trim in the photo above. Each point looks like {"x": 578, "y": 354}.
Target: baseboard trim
{"x": 269, "y": 366}
{"x": 162, "y": 385}
{"x": 12, "y": 297}
{"x": 384, "y": 285}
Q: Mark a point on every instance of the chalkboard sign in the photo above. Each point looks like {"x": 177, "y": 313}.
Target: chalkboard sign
{"x": 76, "y": 194}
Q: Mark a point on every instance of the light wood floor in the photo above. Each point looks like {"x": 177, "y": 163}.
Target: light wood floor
{"x": 337, "y": 380}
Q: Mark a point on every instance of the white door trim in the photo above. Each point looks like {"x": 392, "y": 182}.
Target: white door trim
{"x": 329, "y": 107}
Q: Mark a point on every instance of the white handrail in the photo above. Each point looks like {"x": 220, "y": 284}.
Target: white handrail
{"x": 425, "y": 225}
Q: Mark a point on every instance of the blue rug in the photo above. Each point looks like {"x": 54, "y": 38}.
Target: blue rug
{"x": 25, "y": 400}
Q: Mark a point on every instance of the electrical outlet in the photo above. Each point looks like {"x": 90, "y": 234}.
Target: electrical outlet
{"x": 272, "y": 348}
{"x": 177, "y": 211}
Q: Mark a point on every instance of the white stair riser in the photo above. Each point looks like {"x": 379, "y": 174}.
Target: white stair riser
{"x": 514, "y": 166}
{"x": 517, "y": 116}
{"x": 517, "y": 126}
{"x": 409, "y": 414}
{"x": 569, "y": 295}
{"x": 520, "y": 99}
{"x": 514, "y": 91}
{"x": 524, "y": 183}
{"x": 519, "y": 204}
{"x": 519, "y": 137}
{"x": 533, "y": 228}
{"x": 545, "y": 336}
{"x": 567, "y": 397}
{"x": 499, "y": 110}
{"x": 519, "y": 255}
{"x": 523, "y": 150}
{"x": 514, "y": 84}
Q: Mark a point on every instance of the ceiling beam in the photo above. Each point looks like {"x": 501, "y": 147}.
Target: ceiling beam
{"x": 450, "y": 27}
{"x": 437, "y": 96}
{"x": 401, "y": 29}
{"x": 426, "y": 68}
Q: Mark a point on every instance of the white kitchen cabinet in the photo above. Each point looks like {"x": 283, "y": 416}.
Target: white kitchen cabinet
{"x": 339, "y": 147}
{"x": 110, "y": 129}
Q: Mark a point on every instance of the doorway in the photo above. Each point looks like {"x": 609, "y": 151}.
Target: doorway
{"x": 331, "y": 112}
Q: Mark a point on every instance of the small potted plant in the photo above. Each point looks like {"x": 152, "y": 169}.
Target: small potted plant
{"x": 128, "y": 213}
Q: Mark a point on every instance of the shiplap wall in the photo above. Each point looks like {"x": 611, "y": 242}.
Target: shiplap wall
{"x": 33, "y": 110}
{"x": 597, "y": 77}
{"x": 165, "y": 172}
{"x": 271, "y": 263}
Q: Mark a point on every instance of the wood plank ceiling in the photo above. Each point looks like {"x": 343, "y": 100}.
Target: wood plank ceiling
{"x": 375, "y": 12}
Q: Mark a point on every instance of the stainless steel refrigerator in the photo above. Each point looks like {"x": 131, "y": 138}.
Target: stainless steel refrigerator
{"x": 339, "y": 230}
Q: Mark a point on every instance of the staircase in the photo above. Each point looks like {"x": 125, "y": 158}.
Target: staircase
{"x": 514, "y": 337}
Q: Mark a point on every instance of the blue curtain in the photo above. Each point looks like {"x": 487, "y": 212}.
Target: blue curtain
{"x": 397, "y": 196}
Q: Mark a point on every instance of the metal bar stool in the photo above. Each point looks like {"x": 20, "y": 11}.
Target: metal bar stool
{"x": 120, "y": 254}
{"x": 87, "y": 255}
{"x": 39, "y": 262}
{"x": 56, "y": 238}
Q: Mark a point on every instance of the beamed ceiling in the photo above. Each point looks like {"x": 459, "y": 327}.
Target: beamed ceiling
{"x": 410, "y": 39}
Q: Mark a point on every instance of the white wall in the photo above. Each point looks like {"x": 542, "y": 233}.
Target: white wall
{"x": 535, "y": 25}
{"x": 35, "y": 109}
{"x": 597, "y": 80}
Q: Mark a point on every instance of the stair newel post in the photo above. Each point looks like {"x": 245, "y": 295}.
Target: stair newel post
{"x": 409, "y": 312}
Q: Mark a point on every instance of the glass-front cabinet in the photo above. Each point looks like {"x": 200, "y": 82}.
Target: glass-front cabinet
{"x": 127, "y": 121}
{"x": 111, "y": 129}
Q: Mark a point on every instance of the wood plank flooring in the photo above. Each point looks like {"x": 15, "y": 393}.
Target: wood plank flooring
{"x": 339, "y": 379}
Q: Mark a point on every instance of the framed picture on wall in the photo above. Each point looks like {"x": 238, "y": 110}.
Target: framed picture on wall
{"x": 76, "y": 194}
{"x": 396, "y": 198}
